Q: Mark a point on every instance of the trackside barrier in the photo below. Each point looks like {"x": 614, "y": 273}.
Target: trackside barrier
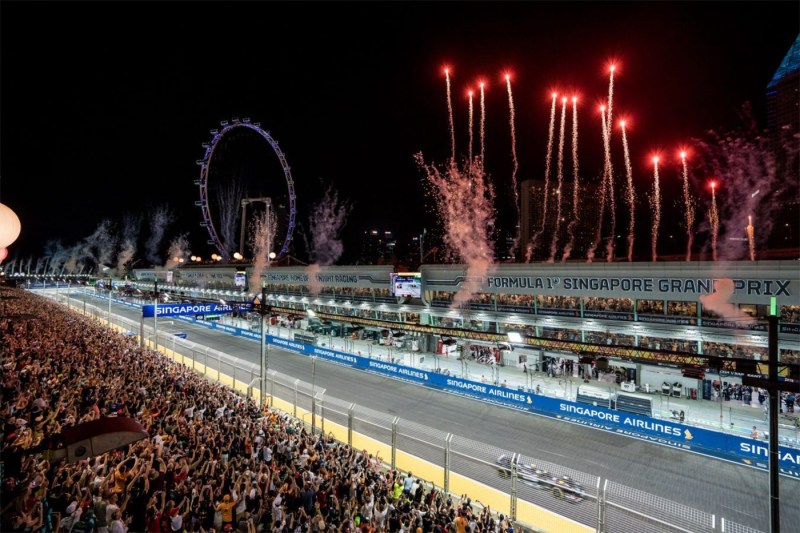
{"x": 525, "y": 490}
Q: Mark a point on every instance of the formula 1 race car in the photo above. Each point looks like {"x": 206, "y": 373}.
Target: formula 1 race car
{"x": 562, "y": 487}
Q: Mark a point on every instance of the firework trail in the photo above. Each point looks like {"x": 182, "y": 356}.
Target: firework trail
{"x": 483, "y": 125}
{"x": 470, "y": 127}
{"x": 713, "y": 218}
{"x": 560, "y": 175}
{"x": 612, "y": 204}
{"x": 689, "y": 206}
{"x": 130, "y": 234}
{"x": 575, "y": 182}
{"x": 610, "y": 95}
{"x": 466, "y": 207}
{"x": 325, "y": 225}
{"x": 450, "y": 115}
{"x": 100, "y": 245}
{"x": 160, "y": 218}
{"x": 262, "y": 237}
{"x": 548, "y": 163}
{"x": 229, "y": 201}
{"x": 749, "y": 161}
{"x": 516, "y": 162}
{"x": 603, "y": 186}
{"x": 631, "y": 191}
{"x": 656, "y": 206}
{"x": 751, "y": 237}
{"x": 178, "y": 251}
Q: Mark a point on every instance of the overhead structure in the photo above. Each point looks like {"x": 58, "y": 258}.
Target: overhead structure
{"x": 205, "y": 169}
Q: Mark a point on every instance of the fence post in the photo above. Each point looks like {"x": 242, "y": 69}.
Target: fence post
{"x": 394, "y": 441}
{"x": 272, "y": 385}
{"x": 250, "y": 385}
{"x": 313, "y": 413}
{"x": 234, "y": 376}
{"x": 601, "y": 506}
{"x": 294, "y": 407}
{"x": 350, "y": 416}
{"x": 322, "y": 413}
{"x": 141, "y": 330}
{"x": 447, "y": 440}
{"x": 513, "y": 491}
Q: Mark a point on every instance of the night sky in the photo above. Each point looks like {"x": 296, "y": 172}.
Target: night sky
{"x": 105, "y": 105}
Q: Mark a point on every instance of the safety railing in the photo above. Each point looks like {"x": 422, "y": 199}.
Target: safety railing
{"x": 536, "y": 494}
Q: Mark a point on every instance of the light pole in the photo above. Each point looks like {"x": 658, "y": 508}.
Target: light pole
{"x": 109, "y": 302}
{"x": 155, "y": 313}
{"x": 313, "y": 393}
{"x": 264, "y": 310}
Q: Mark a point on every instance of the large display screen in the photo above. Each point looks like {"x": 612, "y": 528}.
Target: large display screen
{"x": 407, "y": 284}
{"x": 239, "y": 279}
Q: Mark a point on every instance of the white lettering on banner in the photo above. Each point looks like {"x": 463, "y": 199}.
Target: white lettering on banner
{"x": 693, "y": 286}
{"x": 508, "y": 395}
{"x": 652, "y": 426}
{"x": 322, "y": 278}
{"x": 467, "y": 385}
{"x": 759, "y": 450}
{"x": 400, "y": 370}
{"x": 287, "y": 344}
{"x": 593, "y": 413}
{"x": 336, "y": 355}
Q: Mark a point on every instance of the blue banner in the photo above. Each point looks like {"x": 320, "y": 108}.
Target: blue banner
{"x": 193, "y": 309}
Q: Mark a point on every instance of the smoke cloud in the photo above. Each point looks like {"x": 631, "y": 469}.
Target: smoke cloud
{"x": 229, "y": 200}
{"x": 325, "y": 224}
{"x": 130, "y": 235}
{"x": 160, "y": 217}
{"x": 178, "y": 251}
{"x": 465, "y": 202}
{"x": 719, "y": 302}
{"x": 262, "y": 237}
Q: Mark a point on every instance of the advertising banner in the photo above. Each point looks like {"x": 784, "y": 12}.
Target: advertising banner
{"x": 193, "y": 309}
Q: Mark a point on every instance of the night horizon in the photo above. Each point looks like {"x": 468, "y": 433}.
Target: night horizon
{"x": 108, "y": 124}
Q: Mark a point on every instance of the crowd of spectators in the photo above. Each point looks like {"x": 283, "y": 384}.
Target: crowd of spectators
{"x": 676, "y": 308}
{"x": 557, "y": 302}
{"x": 650, "y": 307}
{"x": 673, "y": 345}
{"x": 739, "y": 351}
{"x": 515, "y": 300}
{"x": 790, "y": 314}
{"x": 610, "y": 339}
{"x": 483, "y": 298}
{"x": 608, "y": 304}
{"x": 790, "y": 356}
{"x": 443, "y": 296}
{"x": 561, "y": 334}
{"x": 214, "y": 460}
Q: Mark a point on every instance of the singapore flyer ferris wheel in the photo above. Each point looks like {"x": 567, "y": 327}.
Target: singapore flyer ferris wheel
{"x": 231, "y": 178}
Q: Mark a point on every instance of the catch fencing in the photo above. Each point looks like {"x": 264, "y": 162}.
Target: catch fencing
{"x": 538, "y": 495}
